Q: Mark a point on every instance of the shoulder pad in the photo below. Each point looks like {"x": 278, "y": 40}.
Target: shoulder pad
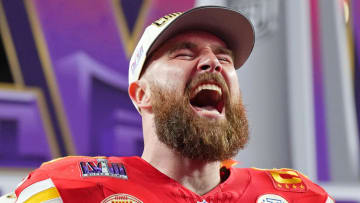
{"x": 41, "y": 183}
{"x": 70, "y": 159}
{"x": 84, "y": 166}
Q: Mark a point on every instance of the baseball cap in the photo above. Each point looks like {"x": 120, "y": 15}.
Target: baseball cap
{"x": 229, "y": 25}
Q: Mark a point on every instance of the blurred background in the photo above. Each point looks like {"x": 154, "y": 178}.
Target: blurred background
{"x": 63, "y": 84}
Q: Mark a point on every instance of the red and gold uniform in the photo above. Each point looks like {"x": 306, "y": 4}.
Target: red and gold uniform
{"x": 131, "y": 179}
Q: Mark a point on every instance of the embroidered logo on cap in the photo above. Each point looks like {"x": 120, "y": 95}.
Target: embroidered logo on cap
{"x": 121, "y": 198}
{"x": 138, "y": 54}
{"x": 271, "y": 198}
{"x": 164, "y": 19}
{"x": 101, "y": 167}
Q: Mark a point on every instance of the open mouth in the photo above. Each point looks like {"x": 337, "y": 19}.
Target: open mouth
{"x": 208, "y": 97}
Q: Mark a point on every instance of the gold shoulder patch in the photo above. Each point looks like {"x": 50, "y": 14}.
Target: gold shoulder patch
{"x": 286, "y": 179}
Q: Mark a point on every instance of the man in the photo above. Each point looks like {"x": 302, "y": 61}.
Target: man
{"x": 182, "y": 80}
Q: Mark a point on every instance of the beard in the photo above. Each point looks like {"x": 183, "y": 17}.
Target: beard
{"x": 196, "y": 137}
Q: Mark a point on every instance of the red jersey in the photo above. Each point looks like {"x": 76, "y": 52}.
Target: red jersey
{"x": 133, "y": 180}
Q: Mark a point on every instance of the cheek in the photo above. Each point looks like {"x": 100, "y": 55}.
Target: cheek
{"x": 231, "y": 77}
{"x": 173, "y": 79}
{"x": 234, "y": 84}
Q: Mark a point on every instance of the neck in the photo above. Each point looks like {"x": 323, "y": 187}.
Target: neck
{"x": 197, "y": 176}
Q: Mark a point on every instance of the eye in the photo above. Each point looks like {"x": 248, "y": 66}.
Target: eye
{"x": 183, "y": 54}
{"x": 224, "y": 59}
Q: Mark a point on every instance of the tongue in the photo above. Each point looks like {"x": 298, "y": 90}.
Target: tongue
{"x": 206, "y": 108}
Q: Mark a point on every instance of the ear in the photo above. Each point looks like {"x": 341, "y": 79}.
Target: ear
{"x": 140, "y": 94}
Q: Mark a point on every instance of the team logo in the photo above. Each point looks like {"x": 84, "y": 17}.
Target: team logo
{"x": 271, "y": 198}
{"x": 121, "y": 198}
{"x": 102, "y": 167}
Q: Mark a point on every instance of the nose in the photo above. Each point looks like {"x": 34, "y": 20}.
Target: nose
{"x": 209, "y": 62}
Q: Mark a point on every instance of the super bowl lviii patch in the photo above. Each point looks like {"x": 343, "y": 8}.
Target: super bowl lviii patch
{"x": 121, "y": 198}
{"x": 102, "y": 167}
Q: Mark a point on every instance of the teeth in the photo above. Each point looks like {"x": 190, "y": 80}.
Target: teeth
{"x": 207, "y": 87}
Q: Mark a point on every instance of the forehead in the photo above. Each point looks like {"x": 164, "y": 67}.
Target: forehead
{"x": 200, "y": 38}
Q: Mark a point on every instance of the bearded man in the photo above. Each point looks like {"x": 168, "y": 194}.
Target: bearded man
{"x": 183, "y": 81}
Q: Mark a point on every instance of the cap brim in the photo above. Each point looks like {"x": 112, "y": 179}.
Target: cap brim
{"x": 227, "y": 24}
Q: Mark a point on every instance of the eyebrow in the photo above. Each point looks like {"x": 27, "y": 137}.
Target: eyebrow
{"x": 183, "y": 45}
{"x": 223, "y": 50}
{"x": 192, "y": 46}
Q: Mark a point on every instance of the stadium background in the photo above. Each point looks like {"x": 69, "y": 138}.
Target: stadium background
{"x": 63, "y": 84}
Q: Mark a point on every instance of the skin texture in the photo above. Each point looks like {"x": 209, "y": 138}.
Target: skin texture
{"x": 184, "y": 142}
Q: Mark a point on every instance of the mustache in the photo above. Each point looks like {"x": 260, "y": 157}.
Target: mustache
{"x": 207, "y": 77}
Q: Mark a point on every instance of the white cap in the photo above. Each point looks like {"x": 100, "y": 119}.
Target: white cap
{"x": 227, "y": 24}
